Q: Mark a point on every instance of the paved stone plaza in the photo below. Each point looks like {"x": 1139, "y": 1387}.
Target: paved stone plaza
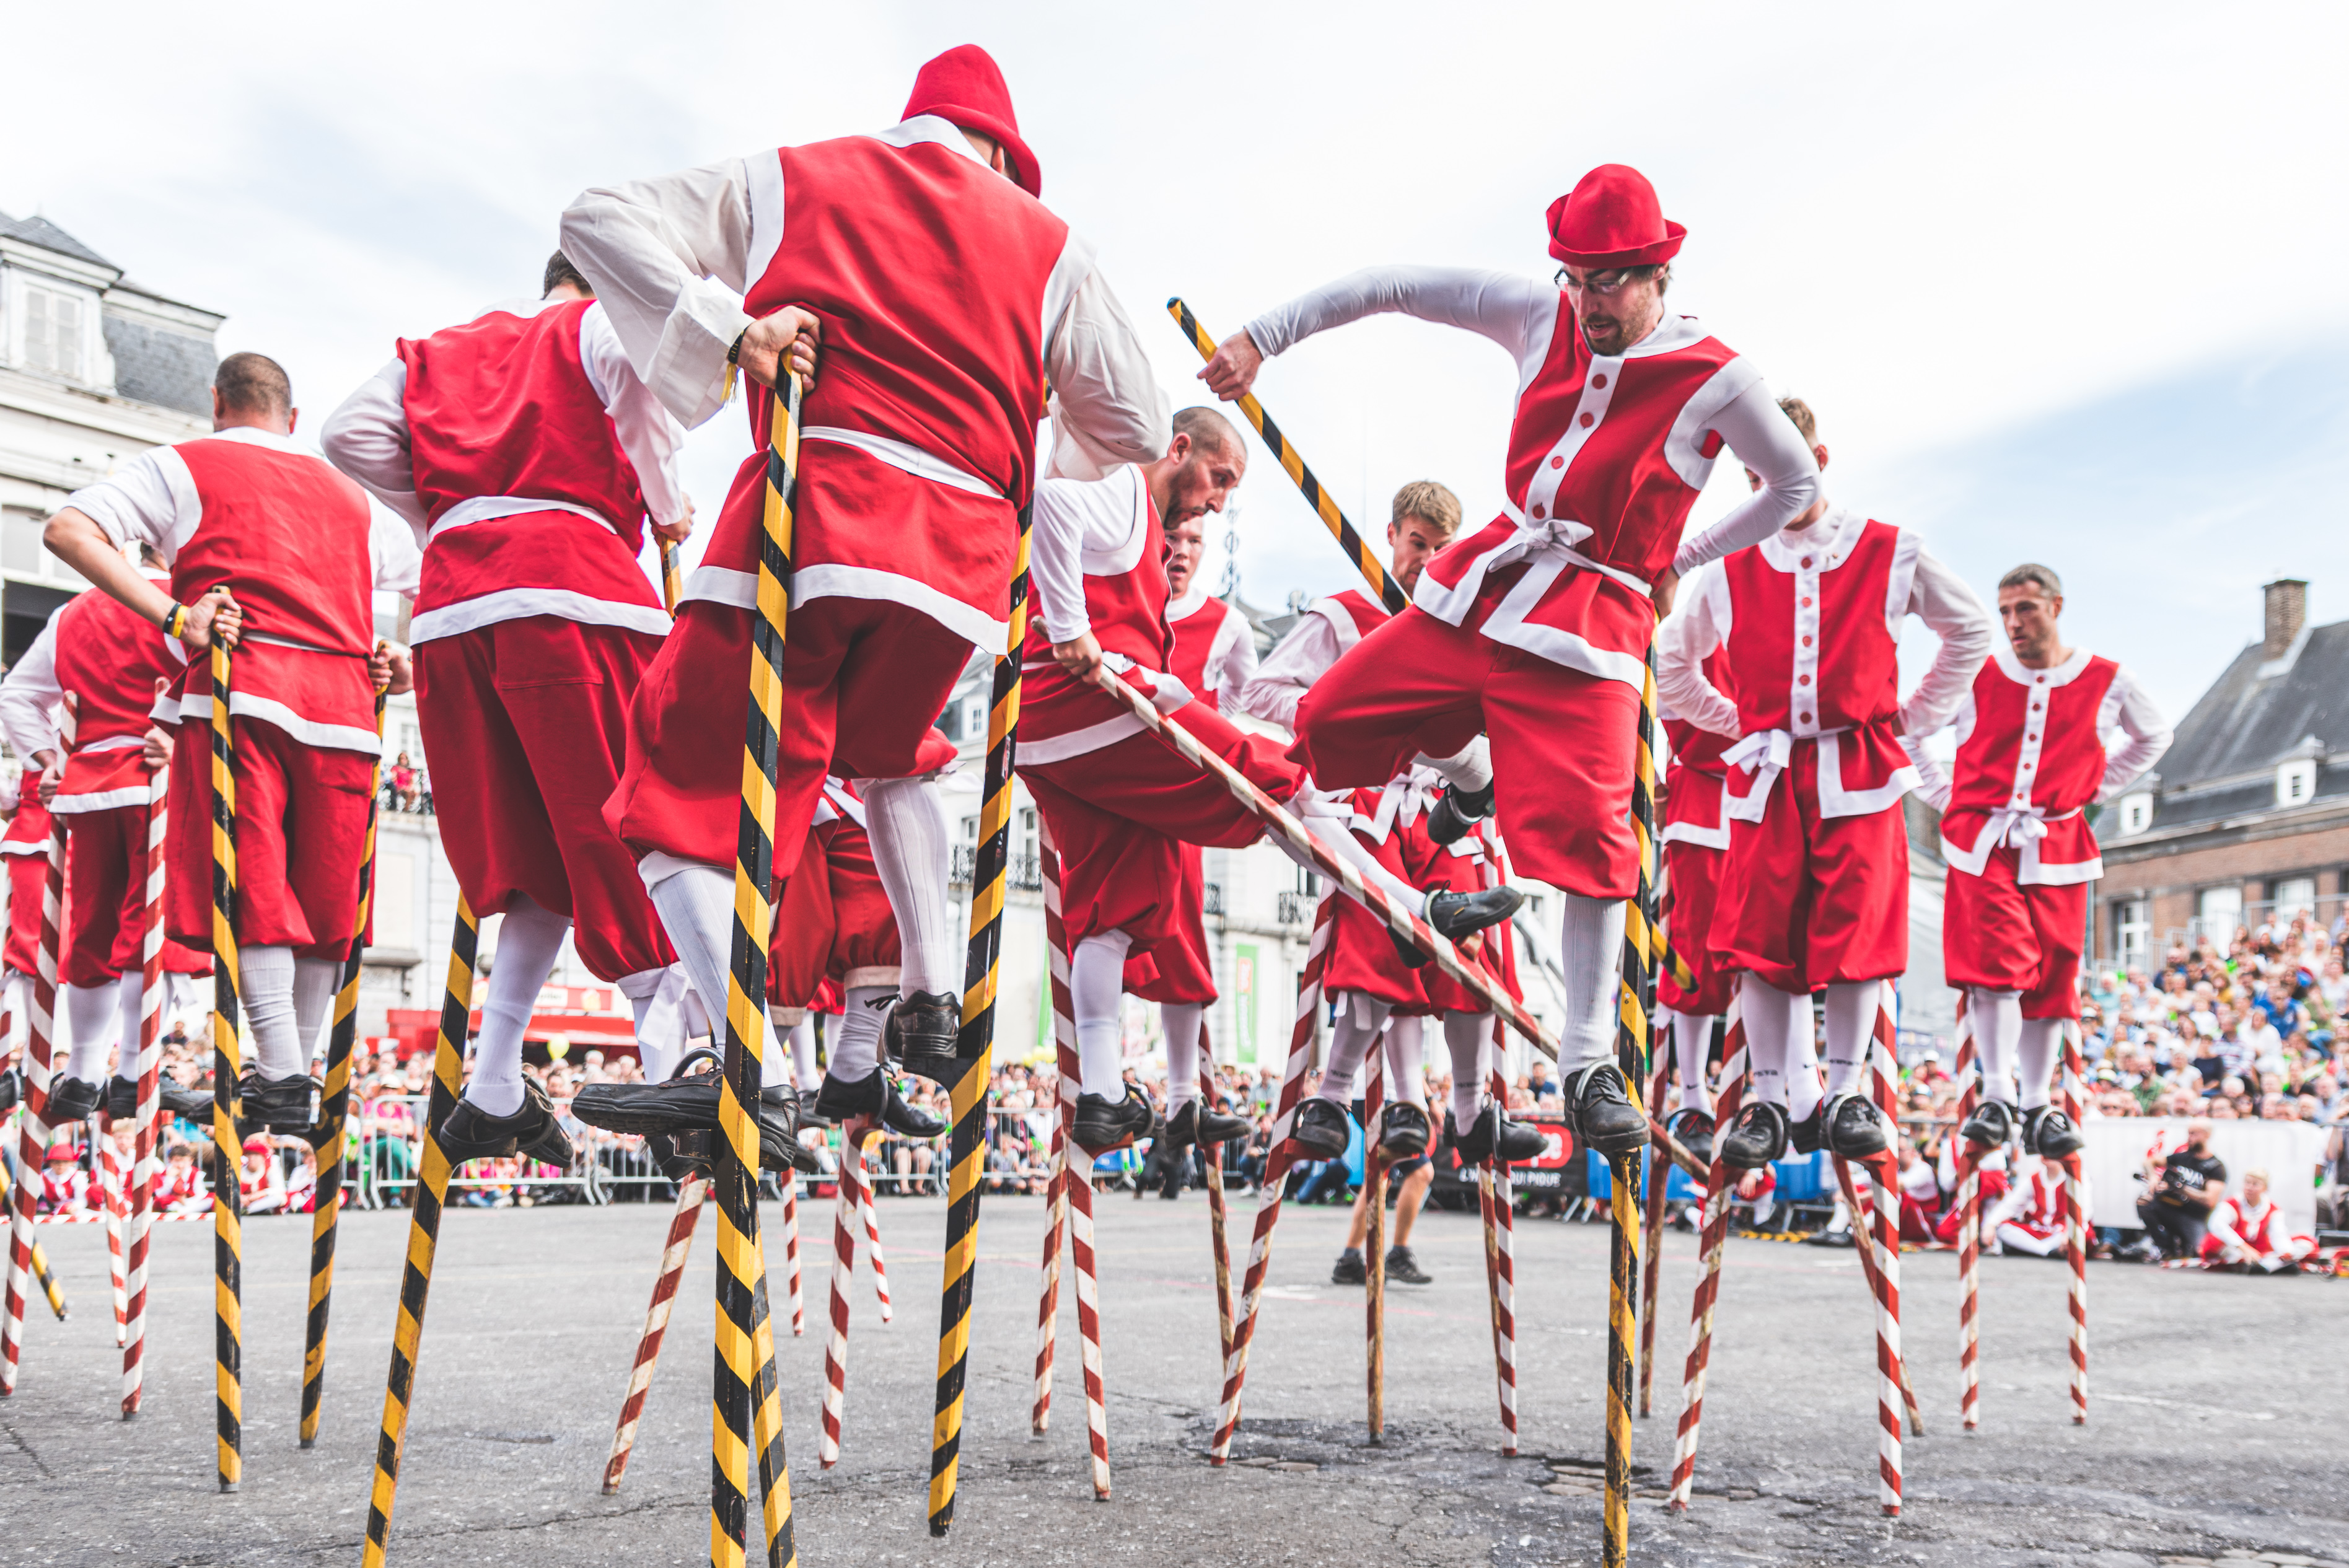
{"x": 2211, "y": 1437}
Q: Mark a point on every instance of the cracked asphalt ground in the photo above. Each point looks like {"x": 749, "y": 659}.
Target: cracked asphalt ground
{"x": 2209, "y": 1435}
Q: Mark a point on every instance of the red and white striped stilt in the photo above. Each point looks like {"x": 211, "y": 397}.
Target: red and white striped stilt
{"x": 791, "y": 1255}
{"x": 33, "y": 1130}
{"x": 872, "y": 1217}
{"x": 1076, "y": 1183}
{"x": 1651, "y": 1280}
{"x": 1275, "y": 1177}
{"x": 1374, "y": 1237}
{"x": 115, "y": 1204}
{"x": 1884, "y": 1086}
{"x": 1714, "y": 1237}
{"x": 1494, "y": 1192}
{"x": 146, "y": 1162}
{"x": 1048, "y": 1306}
{"x": 1867, "y": 1255}
{"x": 690, "y": 1194}
{"x": 847, "y": 1214}
{"x": 2076, "y": 1224}
{"x": 1218, "y": 1240}
{"x": 1968, "y": 1072}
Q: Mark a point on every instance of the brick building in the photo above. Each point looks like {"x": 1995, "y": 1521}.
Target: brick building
{"x": 2247, "y": 818}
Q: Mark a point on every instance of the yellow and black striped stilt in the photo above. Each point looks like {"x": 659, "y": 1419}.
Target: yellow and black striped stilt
{"x": 745, "y": 1339}
{"x": 333, "y": 1114}
{"x": 967, "y": 1149}
{"x": 228, "y": 1219}
{"x": 672, "y": 578}
{"x": 425, "y": 1198}
{"x": 41, "y": 1270}
{"x": 1358, "y": 550}
{"x": 1642, "y": 949}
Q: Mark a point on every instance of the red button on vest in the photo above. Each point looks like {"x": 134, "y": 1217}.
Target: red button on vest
{"x": 1600, "y": 379}
{"x": 1806, "y": 604}
{"x": 1557, "y": 462}
{"x": 1587, "y": 420}
{"x": 1806, "y": 563}
{"x": 1806, "y": 718}
{"x": 1802, "y": 680}
{"x": 1540, "y": 510}
{"x": 1806, "y": 642}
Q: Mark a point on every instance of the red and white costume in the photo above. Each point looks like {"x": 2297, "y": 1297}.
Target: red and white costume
{"x": 530, "y": 452}
{"x": 834, "y": 923}
{"x": 304, "y": 550}
{"x": 2028, "y": 1217}
{"x": 1696, "y": 842}
{"x": 2034, "y": 748}
{"x": 1816, "y": 884}
{"x": 25, "y": 850}
{"x": 1535, "y": 629}
{"x": 2239, "y": 1233}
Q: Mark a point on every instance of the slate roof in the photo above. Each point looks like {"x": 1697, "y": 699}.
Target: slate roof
{"x": 49, "y": 237}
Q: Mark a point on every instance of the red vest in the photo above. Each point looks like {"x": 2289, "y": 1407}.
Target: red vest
{"x": 933, "y": 275}
{"x": 501, "y": 407}
{"x": 287, "y": 536}
{"x": 1352, "y": 614}
{"x": 1812, "y": 639}
{"x": 28, "y": 830}
{"x": 1606, "y": 455}
{"x": 1692, "y": 782}
{"x": 2030, "y": 743}
{"x": 1127, "y": 611}
{"x": 109, "y": 658}
{"x": 1194, "y": 639}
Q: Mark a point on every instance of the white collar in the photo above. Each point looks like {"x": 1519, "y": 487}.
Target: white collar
{"x": 253, "y": 435}
{"x": 1672, "y": 333}
{"x": 1182, "y": 609}
{"x": 1833, "y": 535}
{"x": 929, "y": 128}
{"x": 2016, "y": 670}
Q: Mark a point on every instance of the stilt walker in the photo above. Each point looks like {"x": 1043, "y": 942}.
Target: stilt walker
{"x": 33, "y": 1130}
{"x": 692, "y": 1193}
{"x": 334, "y": 1115}
{"x": 146, "y": 1164}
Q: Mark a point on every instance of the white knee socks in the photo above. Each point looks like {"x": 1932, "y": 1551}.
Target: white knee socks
{"x": 1359, "y": 1019}
{"x": 2035, "y": 1052}
{"x": 266, "y": 988}
{"x": 1406, "y": 1050}
{"x": 1997, "y": 1020}
{"x": 1182, "y": 1021}
{"x": 1804, "y": 1090}
{"x": 1591, "y": 944}
{"x": 805, "y": 1072}
{"x": 1097, "y": 990}
{"x": 1468, "y": 1038}
{"x": 1772, "y": 1018}
{"x": 658, "y": 998}
{"x": 696, "y": 903}
{"x": 1691, "y": 1043}
{"x": 857, "y": 1052}
{"x": 906, "y": 819}
{"x": 1470, "y": 767}
{"x": 1852, "y": 1009}
{"x": 93, "y": 1021}
{"x": 529, "y": 939}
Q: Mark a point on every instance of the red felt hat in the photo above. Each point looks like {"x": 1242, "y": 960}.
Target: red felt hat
{"x": 62, "y": 1153}
{"x": 1612, "y": 219}
{"x": 965, "y": 85}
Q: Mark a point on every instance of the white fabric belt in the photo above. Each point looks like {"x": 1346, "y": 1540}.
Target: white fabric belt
{"x": 1555, "y": 538}
{"x": 1764, "y": 753}
{"x": 111, "y": 743}
{"x": 482, "y": 507}
{"x": 907, "y": 457}
{"x": 298, "y": 647}
{"x": 2021, "y": 825}
{"x": 1168, "y": 691}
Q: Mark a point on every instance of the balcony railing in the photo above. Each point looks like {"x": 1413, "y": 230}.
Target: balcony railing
{"x": 1296, "y": 908}
{"x": 1026, "y": 873}
{"x": 1215, "y": 898}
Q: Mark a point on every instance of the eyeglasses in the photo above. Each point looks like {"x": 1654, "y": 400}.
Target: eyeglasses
{"x": 1606, "y": 282}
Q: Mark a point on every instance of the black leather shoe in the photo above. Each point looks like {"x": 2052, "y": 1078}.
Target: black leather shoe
{"x": 921, "y": 1035}
{"x": 1322, "y": 1129}
{"x": 1403, "y": 1131}
{"x": 686, "y": 1108}
{"x": 172, "y": 1099}
{"x": 1808, "y": 1136}
{"x": 12, "y": 1090}
{"x": 1492, "y": 1134}
{"x": 1404, "y": 1269}
{"x": 876, "y": 1096}
{"x": 1693, "y": 1130}
{"x": 1101, "y": 1125}
{"x": 1350, "y": 1270}
{"x": 70, "y": 1100}
{"x": 1992, "y": 1125}
{"x": 2047, "y": 1132}
{"x": 1856, "y": 1129}
{"x": 809, "y": 1115}
{"x": 1601, "y": 1111}
{"x": 288, "y": 1104}
{"x": 1756, "y": 1137}
{"x": 533, "y": 1132}
{"x": 1193, "y": 1122}
{"x": 1456, "y": 916}
{"x": 1457, "y": 812}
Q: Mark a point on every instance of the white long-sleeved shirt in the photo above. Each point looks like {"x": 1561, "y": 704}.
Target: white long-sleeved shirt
{"x": 670, "y": 258}
{"x": 1523, "y": 315}
{"x": 367, "y": 438}
{"x": 31, "y": 694}
{"x": 1289, "y": 672}
{"x": 1078, "y": 527}
{"x": 1937, "y": 596}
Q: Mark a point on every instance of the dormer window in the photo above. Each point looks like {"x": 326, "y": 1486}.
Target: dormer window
{"x": 2136, "y": 813}
{"x": 2296, "y": 782}
{"x": 55, "y": 323}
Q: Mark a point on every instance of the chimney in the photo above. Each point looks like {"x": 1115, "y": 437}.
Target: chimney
{"x": 2287, "y": 607}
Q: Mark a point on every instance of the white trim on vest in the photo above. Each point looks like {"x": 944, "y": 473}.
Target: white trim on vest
{"x": 1715, "y": 838}
{"x": 764, "y": 173}
{"x": 198, "y": 708}
{"x": 1507, "y": 623}
{"x": 2016, "y": 670}
{"x": 1078, "y": 742}
{"x": 905, "y": 455}
{"x": 519, "y": 603}
{"x": 103, "y": 800}
{"x": 1683, "y": 444}
{"x": 1901, "y": 583}
{"x": 713, "y": 585}
{"x": 1342, "y": 622}
{"x": 489, "y": 508}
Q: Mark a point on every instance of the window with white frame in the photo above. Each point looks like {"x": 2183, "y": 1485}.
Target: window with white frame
{"x": 2218, "y": 911}
{"x": 55, "y": 322}
{"x": 2136, "y": 813}
{"x": 2293, "y": 895}
{"x": 2132, "y": 931}
{"x": 2296, "y": 781}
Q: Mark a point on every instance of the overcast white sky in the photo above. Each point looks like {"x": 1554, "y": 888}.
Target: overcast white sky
{"x": 2062, "y": 282}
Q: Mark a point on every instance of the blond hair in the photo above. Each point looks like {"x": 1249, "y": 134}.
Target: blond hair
{"x": 1431, "y": 504}
{"x": 1806, "y": 421}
